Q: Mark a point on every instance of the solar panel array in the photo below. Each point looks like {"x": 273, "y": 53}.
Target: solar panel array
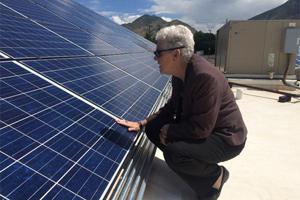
{"x": 66, "y": 74}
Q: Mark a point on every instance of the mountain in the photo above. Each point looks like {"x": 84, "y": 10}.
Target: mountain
{"x": 150, "y": 24}
{"x": 288, "y": 10}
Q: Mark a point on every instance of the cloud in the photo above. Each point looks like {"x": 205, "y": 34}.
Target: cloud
{"x": 107, "y": 13}
{"x": 211, "y": 14}
{"x": 119, "y": 18}
{"x": 167, "y": 19}
{"x": 124, "y": 18}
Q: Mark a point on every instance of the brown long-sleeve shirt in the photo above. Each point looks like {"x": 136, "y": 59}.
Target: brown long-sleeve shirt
{"x": 203, "y": 104}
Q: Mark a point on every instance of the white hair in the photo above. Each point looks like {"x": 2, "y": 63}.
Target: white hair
{"x": 175, "y": 36}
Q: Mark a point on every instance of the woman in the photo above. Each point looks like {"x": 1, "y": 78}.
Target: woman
{"x": 201, "y": 124}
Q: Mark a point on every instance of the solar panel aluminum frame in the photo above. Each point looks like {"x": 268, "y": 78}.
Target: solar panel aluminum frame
{"x": 129, "y": 183}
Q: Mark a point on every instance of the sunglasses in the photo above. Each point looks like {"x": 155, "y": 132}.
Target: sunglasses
{"x": 158, "y": 52}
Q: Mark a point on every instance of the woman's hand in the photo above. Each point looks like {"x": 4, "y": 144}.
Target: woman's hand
{"x": 132, "y": 126}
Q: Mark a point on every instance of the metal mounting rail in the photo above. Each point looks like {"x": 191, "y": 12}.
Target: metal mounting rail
{"x": 130, "y": 184}
{"x": 265, "y": 89}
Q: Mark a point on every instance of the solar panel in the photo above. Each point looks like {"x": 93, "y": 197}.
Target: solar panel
{"x": 62, "y": 27}
{"x": 49, "y": 138}
{"x": 22, "y": 38}
{"x": 138, "y": 65}
{"x": 3, "y": 56}
{"x": 59, "y": 99}
{"x": 101, "y": 27}
{"x": 79, "y": 15}
{"x": 147, "y": 58}
{"x": 96, "y": 80}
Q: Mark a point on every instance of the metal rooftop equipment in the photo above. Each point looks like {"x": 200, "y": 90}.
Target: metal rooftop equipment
{"x": 260, "y": 49}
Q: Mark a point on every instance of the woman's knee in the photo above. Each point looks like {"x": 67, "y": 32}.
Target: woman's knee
{"x": 178, "y": 160}
{"x": 172, "y": 154}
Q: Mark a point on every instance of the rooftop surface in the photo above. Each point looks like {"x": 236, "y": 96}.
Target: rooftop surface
{"x": 267, "y": 169}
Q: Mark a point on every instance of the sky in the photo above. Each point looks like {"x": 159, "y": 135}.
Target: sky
{"x": 204, "y": 15}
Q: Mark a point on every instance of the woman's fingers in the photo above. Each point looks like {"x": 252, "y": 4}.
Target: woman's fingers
{"x": 122, "y": 122}
{"x": 132, "y": 129}
{"x": 132, "y": 126}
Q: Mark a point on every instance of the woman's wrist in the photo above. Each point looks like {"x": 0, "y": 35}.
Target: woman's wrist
{"x": 142, "y": 124}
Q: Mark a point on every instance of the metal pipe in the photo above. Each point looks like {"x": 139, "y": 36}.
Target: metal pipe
{"x": 285, "y": 74}
{"x": 264, "y": 89}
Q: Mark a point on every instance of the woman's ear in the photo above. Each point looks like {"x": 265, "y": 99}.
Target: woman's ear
{"x": 177, "y": 53}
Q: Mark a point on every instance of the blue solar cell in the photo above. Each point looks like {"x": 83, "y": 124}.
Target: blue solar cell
{"x": 142, "y": 106}
{"x": 101, "y": 27}
{"x": 161, "y": 82}
{"x": 54, "y": 119}
{"x": 55, "y": 142}
{"x": 128, "y": 99}
{"x": 21, "y": 38}
{"x": 120, "y": 42}
{"x": 83, "y": 135}
{"x": 62, "y": 27}
{"x": 104, "y": 164}
{"x": 147, "y": 58}
{"x": 67, "y": 146}
{"x": 5, "y": 73}
{"x": 48, "y": 163}
{"x": 27, "y": 104}
{"x": 19, "y": 182}
{"x": 7, "y": 90}
{"x": 109, "y": 146}
{"x": 44, "y": 97}
{"x": 19, "y": 84}
{"x": 100, "y": 82}
{"x": 59, "y": 193}
{"x": 141, "y": 66}
{"x": 52, "y": 144}
{"x": 83, "y": 182}
{"x": 78, "y": 15}
{"x": 1, "y": 124}
{"x": 16, "y": 144}
{"x": 5, "y": 161}
{"x": 35, "y": 129}
{"x": 10, "y": 113}
{"x": 123, "y": 139}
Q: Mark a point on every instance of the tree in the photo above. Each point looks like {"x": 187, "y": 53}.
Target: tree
{"x": 205, "y": 42}
{"x": 149, "y": 35}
